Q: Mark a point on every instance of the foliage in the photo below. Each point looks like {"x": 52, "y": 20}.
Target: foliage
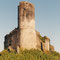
{"x": 42, "y": 38}
{"x": 29, "y": 55}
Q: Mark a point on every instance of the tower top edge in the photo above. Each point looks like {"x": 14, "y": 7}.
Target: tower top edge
{"x": 25, "y": 2}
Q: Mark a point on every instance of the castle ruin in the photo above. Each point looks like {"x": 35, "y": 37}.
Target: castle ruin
{"x": 25, "y": 36}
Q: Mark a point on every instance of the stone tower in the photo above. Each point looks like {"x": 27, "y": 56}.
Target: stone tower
{"x": 26, "y": 25}
{"x": 25, "y": 36}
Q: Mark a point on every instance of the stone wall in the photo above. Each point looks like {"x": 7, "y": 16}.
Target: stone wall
{"x": 51, "y": 48}
{"x": 27, "y": 25}
{"x": 12, "y": 39}
{"x": 47, "y": 44}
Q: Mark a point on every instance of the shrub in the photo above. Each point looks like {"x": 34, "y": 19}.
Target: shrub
{"x": 29, "y": 55}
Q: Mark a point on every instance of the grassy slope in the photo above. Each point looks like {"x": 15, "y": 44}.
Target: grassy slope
{"x": 29, "y": 55}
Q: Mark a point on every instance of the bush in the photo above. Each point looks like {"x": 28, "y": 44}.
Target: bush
{"x": 29, "y": 55}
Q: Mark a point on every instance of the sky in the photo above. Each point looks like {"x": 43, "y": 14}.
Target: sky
{"x": 47, "y": 19}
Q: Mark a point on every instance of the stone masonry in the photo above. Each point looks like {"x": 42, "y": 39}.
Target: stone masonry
{"x": 25, "y": 36}
{"x": 27, "y": 25}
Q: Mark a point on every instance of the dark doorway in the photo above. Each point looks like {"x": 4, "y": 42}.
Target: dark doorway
{"x": 41, "y": 46}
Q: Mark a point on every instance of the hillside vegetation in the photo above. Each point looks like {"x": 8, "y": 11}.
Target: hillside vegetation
{"x": 29, "y": 55}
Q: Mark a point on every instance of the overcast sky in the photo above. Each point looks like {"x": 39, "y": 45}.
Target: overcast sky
{"x": 47, "y": 18}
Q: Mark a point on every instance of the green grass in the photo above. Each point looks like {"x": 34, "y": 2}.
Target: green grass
{"x": 29, "y": 55}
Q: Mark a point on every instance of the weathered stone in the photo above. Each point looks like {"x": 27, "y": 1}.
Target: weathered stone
{"x": 27, "y": 26}
{"x": 25, "y": 36}
{"x": 51, "y": 48}
{"x": 47, "y": 44}
{"x": 12, "y": 39}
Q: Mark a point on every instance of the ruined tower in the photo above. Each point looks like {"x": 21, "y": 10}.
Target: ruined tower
{"x": 25, "y": 36}
{"x": 26, "y": 25}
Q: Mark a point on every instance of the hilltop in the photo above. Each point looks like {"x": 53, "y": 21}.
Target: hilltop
{"x": 29, "y": 55}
